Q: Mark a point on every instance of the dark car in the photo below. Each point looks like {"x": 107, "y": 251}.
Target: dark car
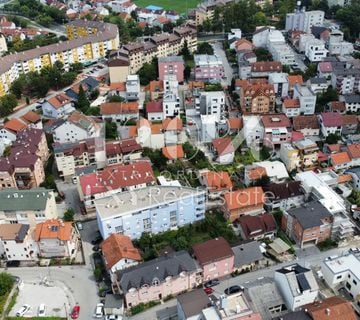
{"x": 13, "y": 263}
{"x": 232, "y": 290}
{"x": 211, "y": 283}
{"x": 96, "y": 248}
{"x": 97, "y": 240}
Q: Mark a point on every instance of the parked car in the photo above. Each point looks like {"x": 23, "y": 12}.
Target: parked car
{"x": 97, "y": 240}
{"x": 211, "y": 283}
{"x": 13, "y": 263}
{"x": 42, "y": 310}
{"x": 99, "y": 310}
{"x": 209, "y": 290}
{"x": 79, "y": 226}
{"x": 354, "y": 250}
{"x": 24, "y": 309}
{"x": 96, "y": 248}
{"x": 113, "y": 317}
{"x": 75, "y": 312}
{"x": 232, "y": 290}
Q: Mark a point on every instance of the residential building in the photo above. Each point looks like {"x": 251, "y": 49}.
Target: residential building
{"x": 223, "y": 149}
{"x": 318, "y": 85}
{"x": 297, "y": 285}
{"x": 306, "y": 97}
{"x": 257, "y": 98}
{"x": 212, "y": 103}
{"x": 11, "y": 128}
{"x": 308, "y": 154}
{"x": 119, "y": 253}
{"x": 354, "y": 154}
{"x": 280, "y": 82}
{"x": 289, "y": 156}
{"x": 154, "y": 110}
{"x": 27, "y": 206}
{"x": 122, "y": 151}
{"x": 56, "y": 238}
{"x": 171, "y": 104}
{"x": 170, "y": 83}
{"x": 173, "y": 130}
{"x": 275, "y": 170}
{"x": 276, "y": 129}
{"x": 325, "y": 69}
{"x": 345, "y": 79}
{"x": 152, "y": 209}
{"x": 257, "y": 227}
{"x": 88, "y": 42}
{"x": 291, "y": 107}
{"x": 248, "y": 201}
{"x": 344, "y": 270}
{"x": 113, "y": 179}
{"x": 215, "y": 258}
{"x": 120, "y": 111}
{"x": 330, "y": 123}
{"x": 172, "y": 65}
{"x": 309, "y": 224}
{"x": 307, "y": 125}
{"x": 247, "y": 255}
{"x": 119, "y": 69}
{"x": 16, "y": 243}
{"x": 150, "y": 135}
{"x": 155, "y": 90}
{"x": 217, "y": 183}
{"x": 132, "y": 85}
{"x": 315, "y": 50}
{"x": 208, "y": 68}
{"x": 89, "y": 84}
{"x": 158, "y": 278}
{"x": 173, "y": 152}
{"x": 352, "y": 102}
{"x": 76, "y": 127}
{"x": 209, "y": 129}
{"x": 355, "y": 174}
{"x": 340, "y": 161}
{"x": 284, "y": 195}
{"x": 337, "y": 45}
{"x": 191, "y": 304}
{"x": 304, "y": 20}
{"x": 58, "y": 106}
{"x": 271, "y": 70}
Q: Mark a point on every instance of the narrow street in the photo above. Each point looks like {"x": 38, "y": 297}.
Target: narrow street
{"x": 219, "y": 51}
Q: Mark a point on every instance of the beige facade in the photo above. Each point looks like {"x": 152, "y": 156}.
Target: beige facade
{"x": 119, "y": 69}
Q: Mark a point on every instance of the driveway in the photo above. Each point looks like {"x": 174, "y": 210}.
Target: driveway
{"x": 76, "y": 281}
{"x": 219, "y": 51}
{"x": 72, "y": 199}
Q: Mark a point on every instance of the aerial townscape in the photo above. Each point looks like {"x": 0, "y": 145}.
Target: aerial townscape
{"x": 180, "y": 160}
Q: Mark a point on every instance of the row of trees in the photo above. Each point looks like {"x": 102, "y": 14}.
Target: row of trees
{"x": 18, "y": 45}
{"x": 34, "y": 84}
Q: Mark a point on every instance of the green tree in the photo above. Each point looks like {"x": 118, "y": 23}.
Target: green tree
{"x": 332, "y": 138}
{"x": 115, "y": 98}
{"x": 6, "y": 283}
{"x": 205, "y": 48}
{"x": 69, "y": 214}
{"x": 148, "y": 72}
{"x": 311, "y": 71}
{"x": 262, "y": 54}
{"x": 76, "y": 67}
{"x": 111, "y": 132}
{"x": 82, "y": 102}
{"x": 187, "y": 73}
{"x": 322, "y": 99}
{"x": 7, "y": 103}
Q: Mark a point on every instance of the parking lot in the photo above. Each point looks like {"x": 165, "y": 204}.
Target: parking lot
{"x": 38, "y": 292}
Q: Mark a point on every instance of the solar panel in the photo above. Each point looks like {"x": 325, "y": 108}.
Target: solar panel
{"x": 302, "y": 281}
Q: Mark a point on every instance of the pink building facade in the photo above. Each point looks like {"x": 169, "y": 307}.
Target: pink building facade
{"x": 208, "y": 68}
{"x": 276, "y": 129}
{"x": 218, "y": 269}
{"x": 172, "y": 65}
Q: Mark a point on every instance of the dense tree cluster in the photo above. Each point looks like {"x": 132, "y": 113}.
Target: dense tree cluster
{"x": 7, "y": 104}
{"x": 18, "y": 45}
{"x": 148, "y": 72}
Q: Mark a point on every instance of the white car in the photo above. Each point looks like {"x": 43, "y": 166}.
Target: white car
{"x": 79, "y": 226}
{"x": 99, "y": 311}
{"x": 42, "y": 310}
{"x": 25, "y": 308}
{"x": 113, "y": 317}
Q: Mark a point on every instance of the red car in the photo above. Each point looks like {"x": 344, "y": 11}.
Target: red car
{"x": 75, "y": 312}
{"x": 208, "y": 290}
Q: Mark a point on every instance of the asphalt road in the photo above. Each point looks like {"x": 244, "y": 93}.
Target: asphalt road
{"x": 219, "y": 51}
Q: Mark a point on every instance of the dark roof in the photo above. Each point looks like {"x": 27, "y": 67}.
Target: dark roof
{"x": 351, "y": 98}
{"x": 253, "y": 226}
{"x": 316, "y": 31}
{"x": 118, "y": 62}
{"x": 317, "y": 80}
{"x": 305, "y": 122}
{"x": 193, "y": 302}
{"x": 247, "y": 253}
{"x": 310, "y": 215}
{"x": 297, "y": 315}
{"x": 157, "y": 269}
{"x": 212, "y": 250}
{"x": 113, "y": 301}
{"x": 284, "y": 190}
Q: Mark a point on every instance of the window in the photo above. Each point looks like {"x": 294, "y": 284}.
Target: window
{"x": 119, "y": 229}
{"x": 339, "y": 277}
{"x": 173, "y": 219}
{"x": 147, "y": 224}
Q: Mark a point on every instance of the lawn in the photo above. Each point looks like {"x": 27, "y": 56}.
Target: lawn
{"x": 181, "y": 6}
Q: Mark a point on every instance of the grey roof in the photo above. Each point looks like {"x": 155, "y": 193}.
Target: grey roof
{"x": 113, "y": 301}
{"x": 355, "y": 170}
{"x": 310, "y": 214}
{"x": 157, "y": 269}
{"x": 25, "y": 200}
{"x": 171, "y": 59}
{"x": 297, "y": 315}
{"x": 317, "y": 80}
{"x": 193, "y": 302}
{"x": 351, "y": 98}
{"x": 247, "y": 253}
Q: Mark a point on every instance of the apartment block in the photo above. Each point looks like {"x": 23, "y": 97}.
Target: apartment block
{"x": 257, "y": 98}
{"x": 306, "y": 97}
{"x": 208, "y": 68}
{"x": 303, "y": 20}
{"x": 172, "y": 65}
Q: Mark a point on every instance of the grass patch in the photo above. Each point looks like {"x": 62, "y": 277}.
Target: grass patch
{"x": 327, "y": 245}
{"x": 143, "y": 306}
{"x": 12, "y": 303}
{"x": 178, "y": 5}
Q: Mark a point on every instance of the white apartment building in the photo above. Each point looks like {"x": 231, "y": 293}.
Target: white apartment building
{"x": 315, "y": 50}
{"x": 132, "y": 87}
{"x": 208, "y": 127}
{"x": 337, "y": 45}
{"x": 171, "y": 104}
{"x": 212, "y": 103}
{"x": 343, "y": 270}
{"x": 303, "y": 20}
{"x": 253, "y": 130}
{"x": 280, "y": 82}
{"x": 153, "y": 209}
{"x": 171, "y": 83}
{"x": 306, "y": 97}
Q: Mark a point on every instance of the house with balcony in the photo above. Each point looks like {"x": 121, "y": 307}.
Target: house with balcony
{"x": 291, "y": 107}
{"x": 257, "y": 227}
{"x": 306, "y": 97}
{"x": 307, "y": 125}
{"x": 276, "y": 129}
{"x": 159, "y": 278}
{"x": 330, "y": 123}
{"x": 352, "y": 102}
{"x": 308, "y": 154}
{"x": 173, "y": 130}
{"x": 217, "y": 183}
{"x": 289, "y": 156}
{"x": 350, "y": 124}
{"x": 208, "y": 68}
{"x": 56, "y": 238}
{"x": 171, "y": 65}
{"x": 16, "y": 243}
{"x": 215, "y": 258}
{"x": 340, "y": 161}
{"x": 257, "y": 98}
{"x": 154, "y": 110}
{"x": 58, "y": 106}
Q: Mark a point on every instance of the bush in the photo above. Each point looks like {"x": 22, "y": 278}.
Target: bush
{"x": 98, "y": 274}
{"x": 143, "y": 306}
{"x": 69, "y": 214}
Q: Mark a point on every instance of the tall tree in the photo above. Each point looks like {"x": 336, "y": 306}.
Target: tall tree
{"x": 82, "y": 102}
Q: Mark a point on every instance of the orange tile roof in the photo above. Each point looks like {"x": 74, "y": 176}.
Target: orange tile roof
{"x": 340, "y": 158}
{"x": 15, "y": 125}
{"x": 156, "y": 128}
{"x": 117, "y": 247}
{"x": 294, "y": 79}
{"x": 120, "y": 86}
{"x": 334, "y": 308}
{"x": 334, "y": 147}
{"x": 256, "y": 89}
{"x": 354, "y": 150}
{"x": 235, "y": 123}
{"x": 344, "y": 178}
{"x": 132, "y": 131}
{"x": 217, "y": 180}
{"x": 53, "y": 229}
{"x": 156, "y": 86}
{"x": 110, "y": 108}
{"x": 223, "y": 146}
{"x": 169, "y": 124}
{"x": 59, "y": 100}
{"x": 256, "y": 173}
{"x": 196, "y": 84}
{"x": 31, "y": 117}
{"x": 173, "y": 152}
{"x": 143, "y": 122}
{"x": 350, "y": 119}
{"x": 244, "y": 198}
{"x": 291, "y": 103}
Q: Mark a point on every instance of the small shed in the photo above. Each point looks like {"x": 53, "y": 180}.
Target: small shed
{"x": 278, "y": 247}
{"x": 114, "y": 304}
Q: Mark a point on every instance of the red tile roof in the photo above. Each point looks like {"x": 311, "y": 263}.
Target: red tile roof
{"x": 244, "y": 198}
{"x": 117, "y": 247}
{"x": 254, "y": 226}
{"x": 154, "y": 106}
{"x": 117, "y": 177}
{"x": 235, "y": 123}
{"x": 114, "y": 148}
{"x": 59, "y": 100}
{"x": 275, "y": 121}
{"x": 338, "y": 106}
{"x": 266, "y": 66}
{"x": 331, "y": 119}
{"x": 110, "y": 108}
{"x": 305, "y": 122}
{"x": 174, "y": 124}
{"x": 212, "y": 251}
{"x": 291, "y": 103}
{"x": 223, "y": 146}
{"x": 31, "y": 117}
{"x": 15, "y": 125}
{"x": 354, "y": 150}
{"x": 340, "y": 158}
{"x": 173, "y": 152}
{"x": 217, "y": 180}
{"x": 53, "y": 229}
{"x": 294, "y": 79}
